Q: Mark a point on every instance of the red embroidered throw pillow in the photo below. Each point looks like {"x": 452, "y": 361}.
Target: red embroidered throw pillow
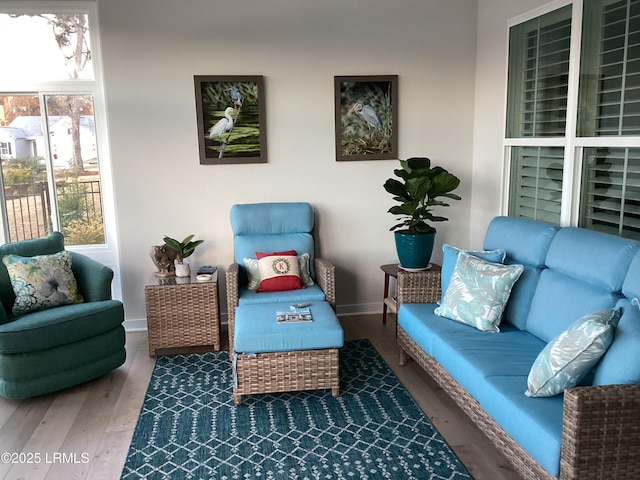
{"x": 279, "y": 271}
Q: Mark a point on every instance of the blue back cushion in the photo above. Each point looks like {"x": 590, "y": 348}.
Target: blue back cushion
{"x": 631, "y": 285}
{"x": 625, "y": 349}
{"x": 585, "y": 272}
{"x": 271, "y": 227}
{"x": 525, "y": 242}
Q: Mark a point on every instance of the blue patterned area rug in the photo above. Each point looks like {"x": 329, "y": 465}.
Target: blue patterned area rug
{"x": 189, "y": 427}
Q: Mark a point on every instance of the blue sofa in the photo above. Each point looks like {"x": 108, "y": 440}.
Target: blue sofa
{"x": 591, "y": 430}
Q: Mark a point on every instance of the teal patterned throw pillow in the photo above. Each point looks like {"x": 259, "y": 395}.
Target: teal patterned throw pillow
{"x": 569, "y": 357}
{"x": 42, "y": 281}
{"x": 478, "y": 292}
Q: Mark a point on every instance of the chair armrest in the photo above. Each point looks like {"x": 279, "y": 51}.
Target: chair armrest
{"x": 326, "y": 279}
{"x": 232, "y": 279}
{"x": 601, "y": 432}
{"x": 418, "y": 287}
{"x": 94, "y": 278}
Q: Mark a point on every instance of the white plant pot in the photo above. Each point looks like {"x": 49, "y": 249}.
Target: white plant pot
{"x": 182, "y": 270}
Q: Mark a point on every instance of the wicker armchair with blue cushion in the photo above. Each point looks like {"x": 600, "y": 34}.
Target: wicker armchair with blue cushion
{"x": 275, "y": 267}
{"x": 59, "y": 326}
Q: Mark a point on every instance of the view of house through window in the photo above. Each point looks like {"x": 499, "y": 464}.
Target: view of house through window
{"x": 67, "y": 155}
{"x": 48, "y": 147}
{"x": 593, "y": 140}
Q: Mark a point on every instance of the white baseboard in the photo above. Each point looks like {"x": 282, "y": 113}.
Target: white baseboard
{"x": 135, "y": 325}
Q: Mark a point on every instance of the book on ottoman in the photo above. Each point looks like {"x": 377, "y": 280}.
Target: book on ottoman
{"x": 295, "y": 315}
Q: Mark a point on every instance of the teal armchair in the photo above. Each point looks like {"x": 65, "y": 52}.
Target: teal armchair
{"x": 53, "y": 349}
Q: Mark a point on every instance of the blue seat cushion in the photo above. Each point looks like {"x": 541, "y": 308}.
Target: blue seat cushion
{"x": 493, "y": 368}
{"x": 481, "y": 353}
{"x": 257, "y": 331}
{"x": 312, "y": 293}
{"x": 534, "y": 423}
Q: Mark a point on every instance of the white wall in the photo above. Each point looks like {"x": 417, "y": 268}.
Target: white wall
{"x": 153, "y": 48}
{"x": 490, "y": 100}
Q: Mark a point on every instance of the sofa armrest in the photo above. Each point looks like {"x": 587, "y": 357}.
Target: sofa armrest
{"x": 418, "y": 287}
{"x": 94, "y": 278}
{"x": 326, "y": 279}
{"x": 601, "y": 432}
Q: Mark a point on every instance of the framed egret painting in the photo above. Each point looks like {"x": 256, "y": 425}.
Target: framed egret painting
{"x": 366, "y": 114}
{"x": 231, "y": 119}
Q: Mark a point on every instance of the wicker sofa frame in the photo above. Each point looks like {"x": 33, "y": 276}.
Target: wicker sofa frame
{"x": 283, "y": 371}
{"x": 600, "y": 427}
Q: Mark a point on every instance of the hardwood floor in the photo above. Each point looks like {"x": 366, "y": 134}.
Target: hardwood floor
{"x": 84, "y": 432}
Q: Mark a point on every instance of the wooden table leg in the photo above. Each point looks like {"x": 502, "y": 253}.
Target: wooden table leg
{"x": 386, "y": 294}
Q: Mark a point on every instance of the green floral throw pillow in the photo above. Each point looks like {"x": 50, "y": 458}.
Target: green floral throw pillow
{"x": 569, "y": 357}
{"x": 478, "y": 292}
{"x": 42, "y": 281}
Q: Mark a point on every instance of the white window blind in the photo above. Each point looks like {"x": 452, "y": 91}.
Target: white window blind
{"x": 536, "y": 183}
{"x": 538, "y": 76}
{"x": 611, "y": 191}
{"x": 601, "y": 158}
{"x": 610, "y": 73}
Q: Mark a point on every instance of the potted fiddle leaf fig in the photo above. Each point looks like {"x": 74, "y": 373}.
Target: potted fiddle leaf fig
{"x": 184, "y": 249}
{"x": 418, "y": 188}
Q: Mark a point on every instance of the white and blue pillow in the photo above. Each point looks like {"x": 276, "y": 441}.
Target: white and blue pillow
{"x": 570, "y": 357}
{"x": 450, "y": 257}
{"x": 478, "y": 292}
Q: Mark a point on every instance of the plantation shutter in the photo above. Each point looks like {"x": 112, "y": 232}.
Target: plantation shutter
{"x": 536, "y": 183}
{"x": 537, "y": 107}
{"x": 610, "y": 106}
{"x": 538, "y": 76}
{"x": 611, "y": 191}
{"x": 610, "y": 72}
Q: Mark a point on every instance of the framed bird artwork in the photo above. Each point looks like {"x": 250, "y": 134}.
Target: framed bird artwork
{"x": 366, "y": 115}
{"x": 231, "y": 119}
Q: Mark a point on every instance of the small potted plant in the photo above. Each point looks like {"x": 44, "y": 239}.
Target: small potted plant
{"x": 184, "y": 248}
{"x": 420, "y": 188}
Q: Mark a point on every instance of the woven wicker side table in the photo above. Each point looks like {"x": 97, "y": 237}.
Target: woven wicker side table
{"x": 390, "y": 301}
{"x": 182, "y": 312}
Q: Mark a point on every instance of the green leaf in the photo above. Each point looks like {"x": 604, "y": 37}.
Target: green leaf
{"x": 420, "y": 188}
{"x": 394, "y": 187}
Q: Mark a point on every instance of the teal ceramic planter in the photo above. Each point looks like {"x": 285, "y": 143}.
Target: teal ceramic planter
{"x": 414, "y": 251}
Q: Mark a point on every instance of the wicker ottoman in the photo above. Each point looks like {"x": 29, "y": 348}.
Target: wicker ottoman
{"x": 270, "y": 357}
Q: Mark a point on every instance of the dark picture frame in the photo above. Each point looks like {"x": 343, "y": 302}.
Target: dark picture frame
{"x": 243, "y": 139}
{"x": 366, "y": 117}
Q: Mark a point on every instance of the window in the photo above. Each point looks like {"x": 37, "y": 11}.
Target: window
{"x": 5, "y": 150}
{"x": 59, "y": 190}
{"x": 539, "y": 75}
{"x": 53, "y": 142}
{"x": 573, "y": 133}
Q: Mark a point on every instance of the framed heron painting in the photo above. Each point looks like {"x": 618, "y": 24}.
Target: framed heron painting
{"x": 366, "y": 111}
{"x": 231, "y": 119}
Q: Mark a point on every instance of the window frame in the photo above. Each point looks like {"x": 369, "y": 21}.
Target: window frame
{"x": 574, "y": 145}
{"x": 107, "y": 253}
